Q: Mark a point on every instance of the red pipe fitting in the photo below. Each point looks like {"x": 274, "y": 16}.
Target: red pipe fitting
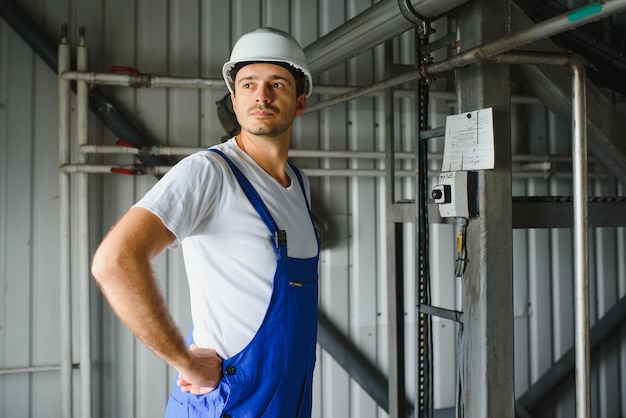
{"x": 125, "y": 144}
{"x": 122, "y": 68}
{"x": 126, "y": 171}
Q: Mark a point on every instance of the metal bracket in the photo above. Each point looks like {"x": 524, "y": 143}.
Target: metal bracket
{"x": 409, "y": 12}
{"x": 440, "y": 312}
{"x": 423, "y": 69}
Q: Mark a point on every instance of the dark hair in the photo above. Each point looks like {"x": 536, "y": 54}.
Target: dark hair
{"x": 298, "y": 75}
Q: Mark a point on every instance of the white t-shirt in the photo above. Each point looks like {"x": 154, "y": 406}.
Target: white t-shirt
{"x": 228, "y": 251}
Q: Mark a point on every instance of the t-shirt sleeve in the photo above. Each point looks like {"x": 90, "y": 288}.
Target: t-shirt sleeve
{"x": 185, "y": 196}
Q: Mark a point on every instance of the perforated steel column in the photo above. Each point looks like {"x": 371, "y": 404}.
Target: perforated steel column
{"x": 488, "y": 355}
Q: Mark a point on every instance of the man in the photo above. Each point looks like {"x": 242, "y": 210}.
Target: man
{"x": 242, "y": 216}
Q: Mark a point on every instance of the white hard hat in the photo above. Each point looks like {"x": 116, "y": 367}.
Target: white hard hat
{"x": 268, "y": 45}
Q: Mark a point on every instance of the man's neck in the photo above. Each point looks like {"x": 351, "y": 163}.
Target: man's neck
{"x": 269, "y": 153}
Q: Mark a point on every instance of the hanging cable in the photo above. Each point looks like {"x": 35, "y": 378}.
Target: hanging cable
{"x": 460, "y": 413}
{"x": 459, "y": 268}
{"x": 461, "y": 250}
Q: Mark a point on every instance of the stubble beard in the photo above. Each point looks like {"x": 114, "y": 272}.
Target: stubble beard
{"x": 269, "y": 129}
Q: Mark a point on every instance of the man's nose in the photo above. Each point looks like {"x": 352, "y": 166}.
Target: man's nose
{"x": 263, "y": 93}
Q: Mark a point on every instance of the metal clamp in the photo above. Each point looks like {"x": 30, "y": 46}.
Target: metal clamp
{"x": 409, "y": 12}
{"x": 423, "y": 69}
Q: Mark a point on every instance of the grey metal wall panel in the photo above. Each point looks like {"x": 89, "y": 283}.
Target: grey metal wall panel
{"x": 28, "y": 240}
{"x": 4, "y": 42}
{"x": 335, "y": 263}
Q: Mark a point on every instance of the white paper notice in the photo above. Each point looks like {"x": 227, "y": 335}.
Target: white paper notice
{"x": 469, "y": 141}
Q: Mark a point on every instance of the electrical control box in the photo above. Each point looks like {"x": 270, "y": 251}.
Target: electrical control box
{"x": 455, "y": 193}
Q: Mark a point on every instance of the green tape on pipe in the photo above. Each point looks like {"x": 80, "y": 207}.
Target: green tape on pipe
{"x": 583, "y": 12}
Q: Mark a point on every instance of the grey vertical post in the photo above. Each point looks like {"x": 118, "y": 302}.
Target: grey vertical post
{"x": 581, "y": 240}
{"x": 395, "y": 282}
{"x": 488, "y": 355}
{"x": 65, "y": 290}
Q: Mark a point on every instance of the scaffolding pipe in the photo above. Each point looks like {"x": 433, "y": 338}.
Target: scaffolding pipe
{"x": 581, "y": 213}
{"x": 381, "y": 22}
{"x": 159, "y": 81}
{"x": 65, "y": 291}
{"x": 46, "y": 49}
{"x": 160, "y": 170}
{"x": 300, "y": 153}
{"x": 144, "y": 80}
{"x": 293, "y": 153}
{"x": 545, "y": 29}
{"x": 82, "y": 220}
{"x": 132, "y": 169}
{"x": 543, "y": 161}
{"x": 31, "y": 369}
{"x": 581, "y": 240}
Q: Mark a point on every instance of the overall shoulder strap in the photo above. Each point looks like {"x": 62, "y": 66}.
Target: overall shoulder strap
{"x": 299, "y": 176}
{"x": 280, "y": 236}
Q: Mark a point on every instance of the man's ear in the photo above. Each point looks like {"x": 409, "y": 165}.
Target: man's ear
{"x": 300, "y": 104}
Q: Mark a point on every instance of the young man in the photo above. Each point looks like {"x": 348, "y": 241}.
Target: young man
{"x": 241, "y": 213}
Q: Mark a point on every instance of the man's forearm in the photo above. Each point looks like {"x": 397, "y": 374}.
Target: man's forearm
{"x": 121, "y": 266}
{"x": 135, "y": 298}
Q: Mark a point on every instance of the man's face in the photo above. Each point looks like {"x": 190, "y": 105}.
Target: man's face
{"x": 265, "y": 99}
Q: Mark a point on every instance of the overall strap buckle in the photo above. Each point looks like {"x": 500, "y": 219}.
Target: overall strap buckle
{"x": 280, "y": 238}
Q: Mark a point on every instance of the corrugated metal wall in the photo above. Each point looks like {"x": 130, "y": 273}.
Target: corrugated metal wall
{"x": 544, "y": 286}
{"x": 190, "y": 38}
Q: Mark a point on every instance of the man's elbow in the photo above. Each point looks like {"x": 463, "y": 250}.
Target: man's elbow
{"x": 106, "y": 265}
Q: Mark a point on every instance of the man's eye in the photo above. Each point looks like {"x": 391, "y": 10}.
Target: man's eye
{"x": 278, "y": 85}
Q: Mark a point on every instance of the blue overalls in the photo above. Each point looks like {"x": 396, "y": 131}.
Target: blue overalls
{"x": 273, "y": 375}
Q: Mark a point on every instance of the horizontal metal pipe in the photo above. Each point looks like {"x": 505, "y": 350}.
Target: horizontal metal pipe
{"x": 159, "y": 81}
{"x": 131, "y": 169}
{"x": 550, "y": 27}
{"x": 143, "y": 80}
{"x": 46, "y": 49}
{"x": 532, "y": 58}
{"x": 293, "y": 153}
{"x": 545, "y": 29}
{"x": 158, "y": 170}
{"x": 297, "y": 153}
{"x": 382, "y": 21}
{"x": 32, "y": 369}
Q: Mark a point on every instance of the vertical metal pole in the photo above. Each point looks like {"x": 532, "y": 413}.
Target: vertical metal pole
{"x": 395, "y": 288}
{"x": 82, "y": 247}
{"x": 581, "y": 241}
{"x": 582, "y": 344}
{"x": 65, "y": 290}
